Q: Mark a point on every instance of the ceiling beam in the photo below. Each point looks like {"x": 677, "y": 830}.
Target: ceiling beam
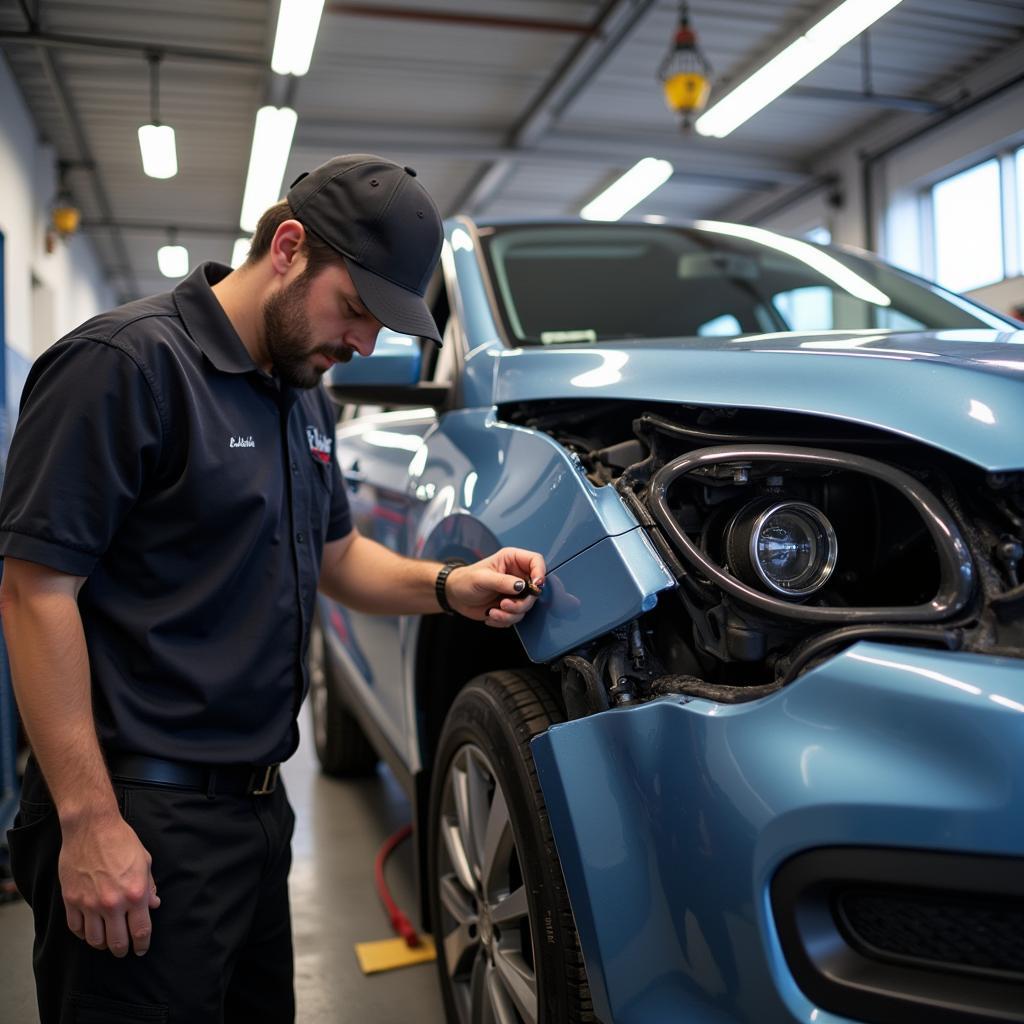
{"x": 692, "y": 156}
{"x": 616, "y": 20}
{"x": 871, "y": 99}
{"x": 128, "y": 48}
{"x": 160, "y": 227}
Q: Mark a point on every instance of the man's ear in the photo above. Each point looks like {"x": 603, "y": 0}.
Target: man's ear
{"x": 286, "y": 247}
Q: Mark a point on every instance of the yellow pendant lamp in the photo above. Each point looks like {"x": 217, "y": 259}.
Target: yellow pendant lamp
{"x": 685, "y": 73}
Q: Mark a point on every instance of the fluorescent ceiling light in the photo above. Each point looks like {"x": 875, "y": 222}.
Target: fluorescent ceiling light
{"x": 240, "y": 252}
{"x": 297, "y": 26}
{"x": 271, "y": 144}
{"x": 808, "y": 254}
{"x": 172, "y": 260}
{"x": 632, "y": 188}
{"x": 800, "y": 58}
{"x": 159, "y": 157}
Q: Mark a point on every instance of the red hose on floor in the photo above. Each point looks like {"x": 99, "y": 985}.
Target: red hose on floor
{"x": 399, "y": 922}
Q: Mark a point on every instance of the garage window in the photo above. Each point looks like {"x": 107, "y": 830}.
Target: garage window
{"x": 967, "y": 222}
{"x": 1019, "y": 169}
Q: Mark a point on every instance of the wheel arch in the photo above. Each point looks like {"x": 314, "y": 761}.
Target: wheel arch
{"x": 451, "y": 651}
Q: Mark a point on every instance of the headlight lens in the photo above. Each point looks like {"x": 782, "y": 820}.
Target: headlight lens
{"x": 787, "y": 546}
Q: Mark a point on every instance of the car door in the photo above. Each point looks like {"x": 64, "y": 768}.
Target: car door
{"x": 375, "y": 448}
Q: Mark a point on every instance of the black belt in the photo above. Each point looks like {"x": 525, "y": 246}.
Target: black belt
{"x": 229, "y": 780}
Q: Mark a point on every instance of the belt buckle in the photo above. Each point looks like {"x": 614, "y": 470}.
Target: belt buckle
{"x": 269, "y": 781}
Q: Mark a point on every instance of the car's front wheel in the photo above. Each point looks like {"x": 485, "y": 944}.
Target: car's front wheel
{"x": 507, "y": 946}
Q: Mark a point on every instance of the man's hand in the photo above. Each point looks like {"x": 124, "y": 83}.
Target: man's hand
{"x": 107, "y": 884}
{"x": 490, "y": 590}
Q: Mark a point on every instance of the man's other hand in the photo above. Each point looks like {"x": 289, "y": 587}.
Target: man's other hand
{"x": 495, "y": 589}
{"x": 107, "y": 883}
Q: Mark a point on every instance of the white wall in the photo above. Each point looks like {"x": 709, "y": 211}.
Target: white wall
{"x": 900, "y": 177}
{"x": 71, "y": 274}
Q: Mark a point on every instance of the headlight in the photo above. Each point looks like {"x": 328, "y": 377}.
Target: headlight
{"x": 787, "y": 546}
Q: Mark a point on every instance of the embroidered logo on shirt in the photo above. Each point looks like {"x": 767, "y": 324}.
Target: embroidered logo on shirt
{"x": 243, "y": 442}
{"x": 319, "y": 445}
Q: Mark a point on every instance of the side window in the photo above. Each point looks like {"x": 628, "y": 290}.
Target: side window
{"x": 722, "y": 326}
{"x": 806, "y": 309}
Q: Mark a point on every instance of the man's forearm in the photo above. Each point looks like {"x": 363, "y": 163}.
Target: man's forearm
{"x": 50, "y": 669}
{"x": 371, "y": 578}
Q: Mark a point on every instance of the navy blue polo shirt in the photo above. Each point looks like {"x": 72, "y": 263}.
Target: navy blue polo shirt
{"x": 196, "y": 493}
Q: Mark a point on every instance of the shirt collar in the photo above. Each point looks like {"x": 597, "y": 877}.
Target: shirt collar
{"x": 207, "y": 323}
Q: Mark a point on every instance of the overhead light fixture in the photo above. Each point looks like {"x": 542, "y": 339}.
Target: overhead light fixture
{"x": 65, "y": 216}
{"x": 297, "y": 25}
{"x": 632, "y": 188}
{"x": 685, "y": 73}
{"x": 172, "y": 259}
{"x": 240, "y": 252}
{"x": 796, "y": 61}
{"x": 156, "y": 140}
{"x": 809, "y": 255}
{"x": 271, "y": 144}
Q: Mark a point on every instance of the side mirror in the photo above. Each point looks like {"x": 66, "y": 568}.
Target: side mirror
{"x": 391, "y": 376}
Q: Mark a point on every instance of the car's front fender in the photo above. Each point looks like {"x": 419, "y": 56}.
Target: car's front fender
{"x": 672, "y": 818}
{"x": 483, "y": 484}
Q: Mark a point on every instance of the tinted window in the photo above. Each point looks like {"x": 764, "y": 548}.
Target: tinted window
{"x": 572, "y": 284}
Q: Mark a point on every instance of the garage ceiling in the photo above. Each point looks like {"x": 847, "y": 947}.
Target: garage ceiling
{"x": 527, "y": 109}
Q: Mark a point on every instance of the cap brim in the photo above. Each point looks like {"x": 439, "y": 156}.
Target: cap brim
{"x": 395, "y": 307}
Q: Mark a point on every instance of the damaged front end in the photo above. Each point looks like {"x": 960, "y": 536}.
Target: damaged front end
{"x": 789, "y": 538}
{"x": 790, "y": 790}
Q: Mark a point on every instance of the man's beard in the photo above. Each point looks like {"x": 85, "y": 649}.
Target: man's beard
{"x": 287, "y": 330}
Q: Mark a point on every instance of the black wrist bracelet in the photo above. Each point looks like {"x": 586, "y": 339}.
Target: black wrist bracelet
{"x": 442, "y": 579}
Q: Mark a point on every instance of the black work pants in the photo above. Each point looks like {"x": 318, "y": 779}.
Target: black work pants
{"x": 221, "y": 950}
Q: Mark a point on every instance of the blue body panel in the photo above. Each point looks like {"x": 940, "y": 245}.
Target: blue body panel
{"x": 961, "y": 391}
{"x": 611, "y": 582}
{"x": 471, "y": 504}
{"x": 672, "y": 818}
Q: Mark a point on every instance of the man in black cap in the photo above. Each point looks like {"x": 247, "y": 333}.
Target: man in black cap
{"x": 170, "y": 508}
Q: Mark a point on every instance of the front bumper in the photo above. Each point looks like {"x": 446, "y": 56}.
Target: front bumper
{"x": 672, "y": 820}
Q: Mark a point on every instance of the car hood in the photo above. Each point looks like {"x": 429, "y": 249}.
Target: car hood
{"x": 961, "y": 391}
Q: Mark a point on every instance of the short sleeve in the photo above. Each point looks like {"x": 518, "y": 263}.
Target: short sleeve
{"x": 88, "y": 436}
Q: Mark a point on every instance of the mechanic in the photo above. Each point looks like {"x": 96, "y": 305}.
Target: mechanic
{"x": 171, "y": 505}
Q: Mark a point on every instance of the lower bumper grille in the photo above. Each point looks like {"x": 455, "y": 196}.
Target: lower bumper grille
{"x": 890, "y": 936}
{"x": 935, "y": 929}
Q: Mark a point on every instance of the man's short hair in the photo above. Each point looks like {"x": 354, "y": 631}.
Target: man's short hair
{"x": 318, "y": 253}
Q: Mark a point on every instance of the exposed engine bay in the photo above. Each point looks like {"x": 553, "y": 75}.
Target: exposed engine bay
{"x": 790, "y": 537}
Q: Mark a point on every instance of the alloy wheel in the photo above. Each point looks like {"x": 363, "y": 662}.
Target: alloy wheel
{"x": 485, "y": 929}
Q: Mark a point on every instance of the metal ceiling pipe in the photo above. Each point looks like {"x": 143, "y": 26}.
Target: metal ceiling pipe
{"x": 871, "y": 99}
{"x": 488, "y": 21}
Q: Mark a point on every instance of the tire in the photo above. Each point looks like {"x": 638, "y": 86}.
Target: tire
{"x": 341, "y": 745}
{"x": 517, "y": 959}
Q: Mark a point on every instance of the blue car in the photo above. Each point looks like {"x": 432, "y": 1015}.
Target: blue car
{"x": 757, "y": 754}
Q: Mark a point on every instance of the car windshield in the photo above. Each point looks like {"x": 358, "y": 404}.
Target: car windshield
{"x": 579, "y": 283}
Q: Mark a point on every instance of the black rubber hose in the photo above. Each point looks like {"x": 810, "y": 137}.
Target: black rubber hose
{"x": 595, "y": 691}
{"x": 691, "y": 686}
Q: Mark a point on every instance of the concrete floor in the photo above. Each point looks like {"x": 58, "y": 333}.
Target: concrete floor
{"x": 334, "y": 905}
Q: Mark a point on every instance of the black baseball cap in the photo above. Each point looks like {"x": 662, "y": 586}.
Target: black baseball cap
{"x": 380, "y": 218}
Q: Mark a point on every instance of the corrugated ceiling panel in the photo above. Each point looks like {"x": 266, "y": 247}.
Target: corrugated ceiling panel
{"x": 393, "y": 85}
